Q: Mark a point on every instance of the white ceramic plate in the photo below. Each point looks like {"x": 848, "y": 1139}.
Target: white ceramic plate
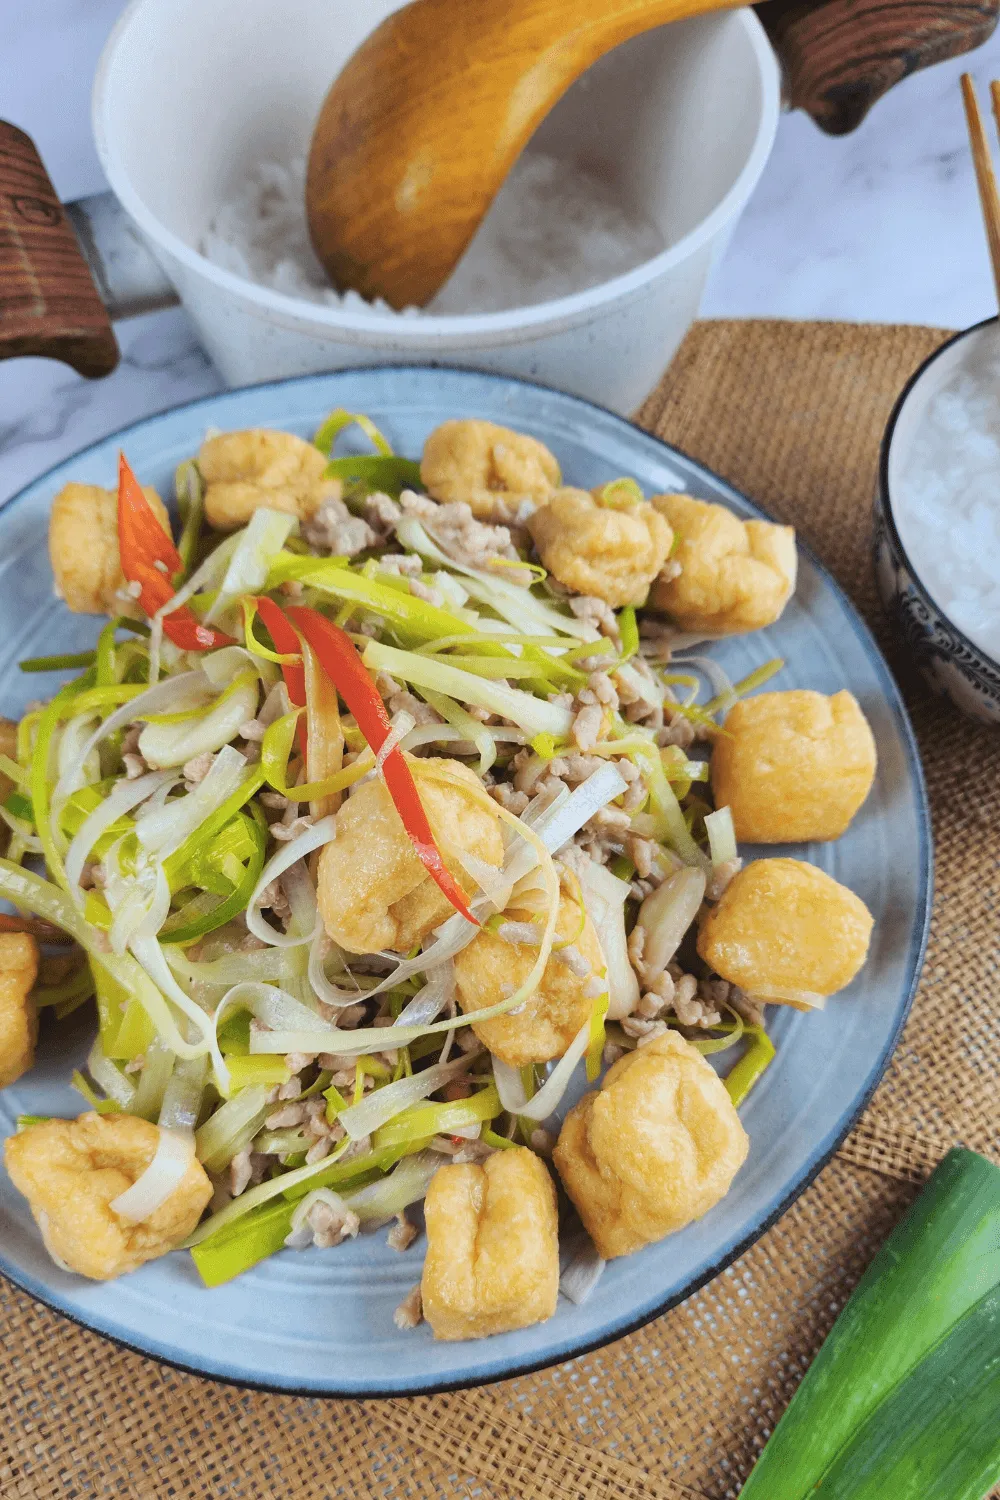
{"x": 321, "y": 1321}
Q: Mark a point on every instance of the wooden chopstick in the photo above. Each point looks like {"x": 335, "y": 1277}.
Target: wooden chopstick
{"x": 989, "y": 198}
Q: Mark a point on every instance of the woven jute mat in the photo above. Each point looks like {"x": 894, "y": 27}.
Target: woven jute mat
{"x": 791, "y": 413}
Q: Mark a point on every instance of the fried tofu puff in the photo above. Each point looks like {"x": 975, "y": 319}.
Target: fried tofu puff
{"x": 71, "y": 1171}
{"x": 783, "y": 927}
{"x": 244, "y": 471}
{"x": 608, "y": 552}
{"x": 373, "y": 891}
{"x": 18, "y": 1016}
{"x": 83, "y": 549}
{"x": 793, "y": 767}
{"x": 655, "y": 1147}
{"x": 480, "y": 463}
{"x": 734, "y": 575}
{"x": 492, "y": 1261}
{"x": 491, "y": 967}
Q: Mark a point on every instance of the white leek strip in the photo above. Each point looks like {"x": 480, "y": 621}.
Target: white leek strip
{"x": 558, "y": 824}
{"x": 231, "y": 1128}
{"x": 314, "y": 838}
{"x": 493, "y": 883}
{"x": 377, "y": 1038}
{"x": 604, "y": 896}
{"x": 669, "y": 826}
{"x": 469, "y": 728}
{"x": 150, "y": 955}
{"x": 273, "y": 1007}
{"x": 300, "y": 1235}
{"x": 156, "y": 1070}
{"x": 104, "y": 1073}
{"x": 140, "y": 903}
{"x": 222, "y": 667}
{"x": 429, "y": 1002}
{"x": 583, "y": 1271}
{"x": 301, "y": 894}
{"x": 182, "y": 1095}
{"x": 29, "y": 840}
{"x": 163, "y": 832}
{"x": 78, "y": 773}
{"x": 401, "y": 725}
{"x": 25, "y": 889}
{"x": 786, "y": 995}
{"x": 516, "y": 605}
{"x": 124, "y": 796}
{"x": 379, "y": 1202}
{"x": 721, "y": 836}
{"x": 722, "y": 687}
{"x": 666, "y": 915}
{"x": 164, "y": 697}
{"x": 174, "y": 1154}
{"x": 258, "y": 544}
{"x": 205, "y": 574}
{"x": 174, "y": 744}
{"x": 329, "y": 993}
{"x": 549, "y": 1096}
{"x": 448, "y": 734}
{"x": 533, "y": 715}
{"x": 378, "y": 1107}
{"x": 231, "y": 968}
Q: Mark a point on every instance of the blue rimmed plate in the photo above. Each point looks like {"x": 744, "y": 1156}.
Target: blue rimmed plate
{"x": 321, "y": 1321}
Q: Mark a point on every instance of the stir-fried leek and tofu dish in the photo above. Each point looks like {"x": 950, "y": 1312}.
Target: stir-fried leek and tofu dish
{"x": 391, "y": 814}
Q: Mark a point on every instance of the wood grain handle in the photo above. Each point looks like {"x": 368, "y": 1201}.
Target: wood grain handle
{"x": 48, "y": 302}
{"x": 840, "y": 56}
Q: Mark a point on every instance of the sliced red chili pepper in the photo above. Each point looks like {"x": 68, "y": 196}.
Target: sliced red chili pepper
{"x": 287, "y": 643}
{"x": 342, "y": 664}
{"x": 143, "y": 543}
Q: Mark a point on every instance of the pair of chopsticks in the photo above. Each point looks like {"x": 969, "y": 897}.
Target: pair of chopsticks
{"x": 989, "y": 197}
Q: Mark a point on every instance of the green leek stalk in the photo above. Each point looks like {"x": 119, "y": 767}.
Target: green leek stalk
{"x": 902, "y": 1401}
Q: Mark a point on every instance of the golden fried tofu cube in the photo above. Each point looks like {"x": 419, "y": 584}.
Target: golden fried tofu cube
{"x": 793, "y": 767}
{"x": 734, "y": 575}
{"x": 71, "y": 1171}
{"x": 655, "y": 1147}
{"x": 373, "y": 891}
{"x": 18, "y": 1016}
{"x": 244, "y": 471}
{"x": 784, "y": 928}
{"x": 83, "y": 549}
{"x": 490, "y": 967}
{"x": 492, "y": 1261}
{"x": 480, "y": 463}
{"x": 607, "y": 552}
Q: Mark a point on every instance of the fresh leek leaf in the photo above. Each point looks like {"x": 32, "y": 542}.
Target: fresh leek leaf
{"x": 901, "y": 1402}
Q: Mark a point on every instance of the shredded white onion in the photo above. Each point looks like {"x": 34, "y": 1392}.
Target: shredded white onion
{"x": 174, "y": 1154}
{"x": 549, "y": 1096}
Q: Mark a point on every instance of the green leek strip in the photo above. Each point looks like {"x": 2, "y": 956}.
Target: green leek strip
{"x": 746, "y": 685}
{"x": 620, "y": 494}
{"x": 18, "y": 805}
{"x": 108, "y": 673}
{"x": 189, "y": 924}
{"x": 493, "y": 667}
{"x": 13, "y": 770}
{"x": 79, "y": 986}
{"x": 595, "y": 1045}
{"x": 474, "y": 731}
{"x": 189, "y": 487}
{"x": 387, "y": 473}
{"x": 498, "y": 1142}
{"x": 245, "y": 1071}
{"x": 415, "y": 617}
{"x": 135, "y": 1034}
{"x": 25, "y": 1122}
{"x": 58, "y": 663}
{"x": 62, "y": 705}
{"x": 668, "y": 820}
{"x": 751, "y": 1065}
{"x": 732, "y": 1032}
{"x": 338, "y": 421}
{"x": 102, "y": 1106}
{"x": 241, "y": 680}
{"x": 262, "y": 1233}
{"x": 213, "y": 825}
{"x": 276, "y": 751}
{"x": 901, "y": 1401}
{"x": 420, "y": 1122}
{"x": 628, "y": 629}
{"x": 533, "y": 715}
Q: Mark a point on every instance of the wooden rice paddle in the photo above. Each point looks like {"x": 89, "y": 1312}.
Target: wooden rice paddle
{"x": 423, "y": 125}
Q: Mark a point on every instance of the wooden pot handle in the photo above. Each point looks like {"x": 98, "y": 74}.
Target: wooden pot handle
{"x": 840, "y": 56}
{"x": 48, "y": 302}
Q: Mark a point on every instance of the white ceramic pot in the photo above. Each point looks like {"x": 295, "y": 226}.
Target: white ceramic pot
{"x": 190, "y": 93}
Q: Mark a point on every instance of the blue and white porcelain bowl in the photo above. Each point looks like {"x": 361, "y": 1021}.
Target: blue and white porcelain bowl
{"x": 944, "y": 655}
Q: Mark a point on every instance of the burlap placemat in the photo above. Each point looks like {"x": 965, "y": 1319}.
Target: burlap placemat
{"x": 792, "y": 414}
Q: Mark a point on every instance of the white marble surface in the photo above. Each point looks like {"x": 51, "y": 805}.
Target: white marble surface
{"x": 882, "y": 225}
